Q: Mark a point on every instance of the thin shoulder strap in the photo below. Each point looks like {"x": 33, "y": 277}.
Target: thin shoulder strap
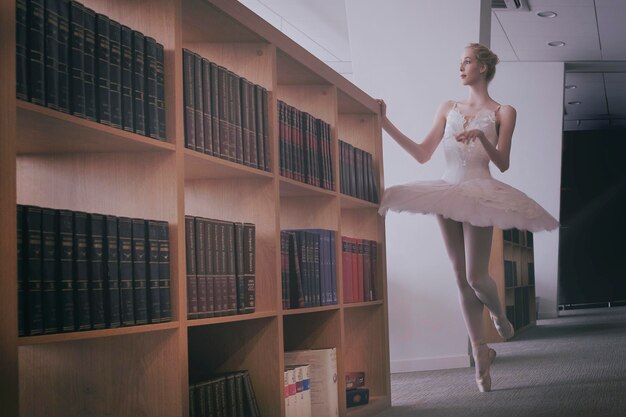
{"x": 454, "y": 106}
{"x": 497, "y": 109}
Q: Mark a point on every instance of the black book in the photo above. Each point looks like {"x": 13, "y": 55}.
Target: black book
{"x": 89, "y": 62}
{"x": 103, "y": 65}
{"x": 231, "y": 116}
{"x": 201, "y": 274}
{"x": 139, "y": 83}
{"x": 154, "y": 298}
{"x": 230, "y": 261}
{"x": 160, "y": 61}
{"x": 36, "y": 57}
{"x": 125, "y": 250}
{"x": 63, "y": 55}
{"x": 231, "y": 395}
{"x": 21, "y": 276}
{"x": 260, "y": 132}
{"x": 115, "y": 73}
{"x": 210, "y": 267}
{"x": 140, "y": 296}
{"x": 126, "y": 45}
{"x": 112, "y": 276}
{"x": 51, "y": 48}
{"x": 198, "y": 102}
{"x": 249, "y": 267}
{"x": 77, "y": 47}
{"x": 50, "y": 291}
{"x": 66, "y": 270}
{"x": 251, "y": 120}
{"x": 164, "y": 272}
{"x": 34, "y": 258}
{"x": 223, "y": 109}
{"x": 252, "y": 408}
{"x": 221, "y": 278}
{"x": 96, "y": 270}
{"x": 215, "y": 119}
{"x": 239, "y": 395}
{"x": 81, "y": 272}
{"x": 21, "y": 51}
{"x": 265, "y": 118}
{"x": 188, "y": 99}
{"x": 190, "y": 257}
{"x": 236, "y": 91}
{"x": 151, "y": 114}
{"x": 241, "y": 288}
{"x": 206, "y": 107}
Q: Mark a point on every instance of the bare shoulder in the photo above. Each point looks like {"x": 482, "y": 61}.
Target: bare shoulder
{"x": 507, "y": 113}
{"x": 444, "y": 108}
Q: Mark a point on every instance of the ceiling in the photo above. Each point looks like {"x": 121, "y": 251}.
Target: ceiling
{"x": 594, "y": 53}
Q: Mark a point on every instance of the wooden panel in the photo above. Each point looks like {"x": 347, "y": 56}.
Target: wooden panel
{"x": 120, "y": 376}
{"x": 309, "y": 213}
{"x": 253, "y": 61}
{"x": 201, "y": 166}
{"x": 313, "y": 331}
{"x": 293, "y": 72}
{"x": 8, "y": 254}
{"x": 293, "y": 188}
{"x": 243, "y": 200}
{"x": 251, "y": 345}
{"x": 359, "y": 130}
{"x": 360, "y": 223}
{"x": 317, "y": 100}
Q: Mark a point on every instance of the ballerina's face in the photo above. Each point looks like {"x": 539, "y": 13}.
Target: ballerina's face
{"x": 470, "y": 70}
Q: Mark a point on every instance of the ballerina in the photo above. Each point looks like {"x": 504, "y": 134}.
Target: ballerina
{"x": 467, "y": 201}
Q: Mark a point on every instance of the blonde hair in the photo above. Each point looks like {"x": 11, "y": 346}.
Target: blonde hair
{"x": 485, "y": 56}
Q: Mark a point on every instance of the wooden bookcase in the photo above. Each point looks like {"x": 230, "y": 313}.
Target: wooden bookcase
{"x": 518, "y": 299}
{"x": 56, "y": 160}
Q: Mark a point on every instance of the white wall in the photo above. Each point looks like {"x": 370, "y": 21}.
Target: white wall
{"x": 408, "y": 53}
{"x": 535, "y": 89}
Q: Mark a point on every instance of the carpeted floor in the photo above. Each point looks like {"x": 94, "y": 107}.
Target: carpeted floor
{"x": 572, "y": 366}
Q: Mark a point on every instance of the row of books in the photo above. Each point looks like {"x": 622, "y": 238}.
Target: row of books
{"x": 356, "y": 392}
{"x": 227, "y": 395}
{"x": 357, "y": 173}
{"x": 359, "y": 266}
{"x": 225, "y": 115}
{"x": 220, "y": 261}
{"x": 82, "y": 271}
{"x": 308, "y": 268}
{"x": 297, "y": 391}
{"x": 322, "y": 364}
{"x": 304, "y": 147}
{"x": 72, "y": 59}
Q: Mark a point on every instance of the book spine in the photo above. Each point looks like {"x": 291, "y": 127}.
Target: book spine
{"x": 210, "y": 267}
{"x": 160, "y": 86}
{"x": 215, "y": 115}
{"x": 115, "y": 73}
{"x": 126, "y": 64}
{"x": 188, "y": 99}
{"x": 150, "y": 88}
{"x": 367, "y": 270}
{"x": 237, "y": 109}
{"x": 249, "y": 266}
{"x": 36, "y": 51}
{"x": 245, "y": 123}
{"x": 139, "y": 271}
{"x": 139, "y": 82}
{"x": 241, "y": 291}
{"x": 374, "y": 254}
{"x": 63, "y": 55}
{"x": 112, "y": 275}
{"x": 50, "y": 290}
{"x": 207, "y": 120}
{"x": 267, "y": 160}
{"x": 103, "y": 74}
{"x": 95, "y": 256}
{"x": 125, "y": 245}
{"x": 198, "y": 103}
{"x": 81, "y": 272}
{"x": 164, "y": 272}
{"x": 89, "y": 64}
{"x": 252, "y": 127}
{"x": 201, "y": 281}
{"x": 21, "y": 50}
{"x": 281, "y": 139}
{"x": 232, "y": 116}
{"x": 230, "y": 261}
{"x": 154, "y": 301}
{"x": 190, "y": 249}
{"x": 253, "y": 407}
{"x": 51, "y": 49}
{"x": 34, "y": 249}
{"x": 66, "y": 270}
{"x": 222, "y": 94}
{"x": 21, "y": 273}
{"x": 77, "y": 46}
{"x": 216, "y": 255}
{"x": 284, "y": 270}
{"x": 222, "y": 275}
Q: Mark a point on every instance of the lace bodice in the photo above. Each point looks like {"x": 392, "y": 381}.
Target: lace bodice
{"x": 467, "y": 161}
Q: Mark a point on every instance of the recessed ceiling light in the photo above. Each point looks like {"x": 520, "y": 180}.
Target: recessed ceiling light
{"x": 546, "y": 14}
{"x": 571, "y": 87}
{"x": 573, "y": 102}
{"x": 556, "y": 43}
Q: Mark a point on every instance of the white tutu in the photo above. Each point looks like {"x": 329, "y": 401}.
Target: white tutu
{"x": 467, "y": 192}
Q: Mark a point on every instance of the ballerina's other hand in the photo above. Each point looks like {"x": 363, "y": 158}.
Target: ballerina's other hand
{"x": 470, "y": 136}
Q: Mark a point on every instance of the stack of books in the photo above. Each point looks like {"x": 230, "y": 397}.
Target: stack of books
{"x": 356, "y": 393}
{"x": 358, "y": 178}
{"x": 359, "y": 264}
{"x": 297, "y": 389}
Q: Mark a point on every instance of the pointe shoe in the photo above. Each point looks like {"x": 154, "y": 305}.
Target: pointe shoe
{"x": 483, "y": 377}
{"x": 506, "y": 329}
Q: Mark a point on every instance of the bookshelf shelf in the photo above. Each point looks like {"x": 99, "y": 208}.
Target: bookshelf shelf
{"x": 46, "y": 131}
{"x": 57, "y": 160}
{"x": 231, "y": 319}
{"x": 200, "y": 166}
{"x": 95, "y": 334}
{"x": 309, "y": 310}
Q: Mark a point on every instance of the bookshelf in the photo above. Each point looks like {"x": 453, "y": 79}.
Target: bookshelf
{"x": 57, "y": 160}
{"x": 512, "y": 255}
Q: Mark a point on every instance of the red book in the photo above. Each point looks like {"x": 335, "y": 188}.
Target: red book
{"x": 360, "y": 265}
{"x": 346, "y": 257}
